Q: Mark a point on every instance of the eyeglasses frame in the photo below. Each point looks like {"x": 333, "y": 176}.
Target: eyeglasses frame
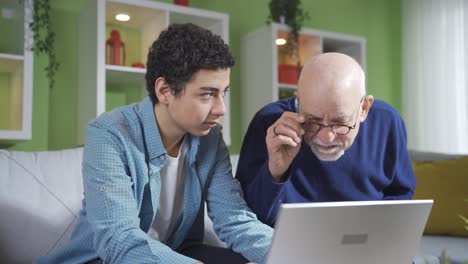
{"x": 333, "y": 125}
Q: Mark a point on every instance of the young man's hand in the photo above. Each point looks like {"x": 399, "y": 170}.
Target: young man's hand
{"x": 283, "y": 143}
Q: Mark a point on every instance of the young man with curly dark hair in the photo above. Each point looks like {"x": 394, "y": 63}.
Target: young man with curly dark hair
{"x": 149, "y": 168}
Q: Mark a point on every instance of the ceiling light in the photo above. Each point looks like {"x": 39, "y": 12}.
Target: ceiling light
{"x": 280, "y": 41}
{"x": 122, "y": 17}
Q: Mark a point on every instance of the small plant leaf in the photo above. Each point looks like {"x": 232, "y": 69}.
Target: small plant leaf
{"x": 464, "y": 219}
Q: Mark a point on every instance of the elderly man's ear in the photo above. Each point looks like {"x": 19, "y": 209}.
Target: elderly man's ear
{"x": 366, "y": 105}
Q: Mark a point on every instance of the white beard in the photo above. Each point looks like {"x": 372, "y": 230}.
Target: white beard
{"x": 331, "y": 154}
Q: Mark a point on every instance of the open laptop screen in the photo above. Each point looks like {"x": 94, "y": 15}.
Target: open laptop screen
{"x": 385, "y": 232}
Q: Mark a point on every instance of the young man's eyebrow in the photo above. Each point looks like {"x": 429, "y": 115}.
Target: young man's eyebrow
{"x": 210, "y": 89}
{"x": 213, "y": 89}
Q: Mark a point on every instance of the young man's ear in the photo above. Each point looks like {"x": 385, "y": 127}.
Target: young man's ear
{"x": 162, "y": 89}
{"x": 366, "y": 105}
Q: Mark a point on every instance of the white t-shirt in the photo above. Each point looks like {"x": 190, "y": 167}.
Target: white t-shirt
{"x": 171, "y": 200}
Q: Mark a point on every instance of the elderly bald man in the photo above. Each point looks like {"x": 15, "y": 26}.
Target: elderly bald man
{"x": 329, "y": 142}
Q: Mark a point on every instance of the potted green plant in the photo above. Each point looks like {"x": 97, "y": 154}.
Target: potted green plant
{"x": 290, "y": 13}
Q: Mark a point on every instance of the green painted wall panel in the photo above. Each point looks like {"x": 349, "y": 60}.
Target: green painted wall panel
{"x": 63, "y": 104}
{"x": 11, "y": 27}
{"x": 6, "y": 29}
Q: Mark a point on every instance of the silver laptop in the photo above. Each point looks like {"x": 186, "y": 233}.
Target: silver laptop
{"x": 384, "y": 232}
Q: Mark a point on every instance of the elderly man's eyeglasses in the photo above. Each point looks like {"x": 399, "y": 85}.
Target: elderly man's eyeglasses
{"x": 342, "y": 130}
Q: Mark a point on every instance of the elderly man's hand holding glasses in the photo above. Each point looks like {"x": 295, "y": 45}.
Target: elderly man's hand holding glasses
{"x": 284, "y": 142}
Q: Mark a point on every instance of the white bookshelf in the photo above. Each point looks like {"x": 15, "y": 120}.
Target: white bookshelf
{"x": 98, "y": 81}
{"x": 16, "y": 70}
{"x": 260, "y": 58}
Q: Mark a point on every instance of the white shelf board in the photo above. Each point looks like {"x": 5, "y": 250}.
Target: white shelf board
{"x": 287, "y": 86}
{"x": 125, "y": 74}
{"x": 6, "y": 135}
{"x": 125, "y": 69}
{"x": 11, "y": 56}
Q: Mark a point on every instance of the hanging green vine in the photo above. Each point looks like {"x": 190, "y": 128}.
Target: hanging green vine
{"x": 44, "y": 37}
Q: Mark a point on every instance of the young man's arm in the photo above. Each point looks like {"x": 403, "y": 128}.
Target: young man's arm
{"x": 233, "y": 221}
{"x": 111, "y": 206}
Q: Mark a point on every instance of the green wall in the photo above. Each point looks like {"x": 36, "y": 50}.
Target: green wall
{"x": 63, "y": 108}
{"x": 55, "y": 111}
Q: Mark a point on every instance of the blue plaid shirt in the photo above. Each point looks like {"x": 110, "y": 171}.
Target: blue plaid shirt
{"x": 121, "y": 162}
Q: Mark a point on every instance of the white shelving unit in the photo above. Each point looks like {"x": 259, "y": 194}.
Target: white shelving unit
{"x": 16, "y": 70}
{"x": 101, "y": 83}
{"x": 261, "y": 57}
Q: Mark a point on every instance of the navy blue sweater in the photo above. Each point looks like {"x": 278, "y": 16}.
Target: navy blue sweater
{"x": 375, "y": 167}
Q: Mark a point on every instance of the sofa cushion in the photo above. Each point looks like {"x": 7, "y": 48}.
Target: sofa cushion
{"x": 447, "y": 183}
{"x": 40, "y": 197}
